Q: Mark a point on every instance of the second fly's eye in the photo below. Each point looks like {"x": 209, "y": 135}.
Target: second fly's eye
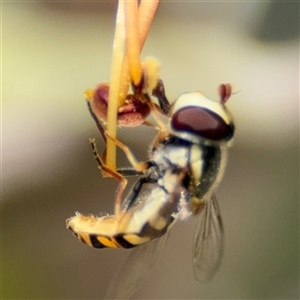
{"x": 195, "y": 116}
{"x": 132, "y": 113}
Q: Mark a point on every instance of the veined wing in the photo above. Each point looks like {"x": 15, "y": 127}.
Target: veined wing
{"x": 208, "y": 241}
{"x": 135, "y": 269}
{"x": 142, "y": 258}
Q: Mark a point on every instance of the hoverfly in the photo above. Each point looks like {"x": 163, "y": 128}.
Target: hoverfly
{"x": 134, "y": 111}
{"x": 187, "y": 162}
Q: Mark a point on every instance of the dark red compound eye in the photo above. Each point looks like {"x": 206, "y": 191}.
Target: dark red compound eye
{"x": 201, "y": 122}
{"x": 132, "y": 113}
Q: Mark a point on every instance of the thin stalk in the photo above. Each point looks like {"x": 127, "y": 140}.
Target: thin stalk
{"x": 132, "y": 40}
{"x": 116, "y": 67}
{"x": 146, "y": 14}
{"x": 133, "y": 24}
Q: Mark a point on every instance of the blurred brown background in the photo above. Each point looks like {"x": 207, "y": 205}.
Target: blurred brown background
{"x": 53, "y": 51}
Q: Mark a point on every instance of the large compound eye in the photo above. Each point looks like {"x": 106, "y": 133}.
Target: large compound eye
{"x": 132, "y": 113}
{"x": 202, "y": 122}
{"x": 194, "y": 114}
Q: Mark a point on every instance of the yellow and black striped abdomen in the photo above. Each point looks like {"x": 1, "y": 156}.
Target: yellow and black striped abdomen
{"x": 118, "y": 241}
{"x": 105, "y": 232}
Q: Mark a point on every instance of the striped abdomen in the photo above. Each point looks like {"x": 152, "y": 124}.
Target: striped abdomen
{"x": 90, "y": 230}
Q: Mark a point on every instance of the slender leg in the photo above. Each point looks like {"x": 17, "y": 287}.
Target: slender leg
{"x": 116, "y": 175}
{"x": 159, "y": 93}
{"x": 135, "y": 192}
{"x": 151, "y": 125}
{"x": 145, "y": 123}
{"x": 128, "y": 172}
{"x": 97, "y": 121}
{"x": 100, "y": 128}
{"x": 154, "y": 111}
{"x": 142, "y": 166}
{"x": 139, "y": 166}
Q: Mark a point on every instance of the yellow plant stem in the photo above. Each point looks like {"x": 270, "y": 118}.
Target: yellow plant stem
{"x": 116, "y": 67}
{"x": 146, "y": 14}
{"x": 147, "y": 11}
{"x": 132, "y": 40}
{"x": 133, "y": 24}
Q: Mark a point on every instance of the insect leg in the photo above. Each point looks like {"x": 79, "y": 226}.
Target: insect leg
{"x": 159, "y": 93}
{"x": 114, "y": 174}
{"x": 138, "y": 166}
{"x": 151, "y": 125}
{"x": 128, "y": 172}
{"x": 98, "y": 123}
{"x": 135, "y": 192}
{"x": 102, "y": 130}
{"x": 154, "y": 111}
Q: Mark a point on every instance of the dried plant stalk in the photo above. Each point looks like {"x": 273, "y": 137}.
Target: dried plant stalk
{"x": 132, "y": 40}
{"x": 147, "y": 11}
{"x": 116, "y": 67}
{"x": 146, "y": 14}
{"x": 134, "y": 24}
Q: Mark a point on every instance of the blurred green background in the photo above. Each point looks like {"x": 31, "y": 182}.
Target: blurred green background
{"x": 53, "y": 51}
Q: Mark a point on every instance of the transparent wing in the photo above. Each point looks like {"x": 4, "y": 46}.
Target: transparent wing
{"x": 135, "y": 269}
{"x": 208, "y": 241}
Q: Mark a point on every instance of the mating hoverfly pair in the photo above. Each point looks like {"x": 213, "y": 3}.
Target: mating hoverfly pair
{"x": 187, "y": 161}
